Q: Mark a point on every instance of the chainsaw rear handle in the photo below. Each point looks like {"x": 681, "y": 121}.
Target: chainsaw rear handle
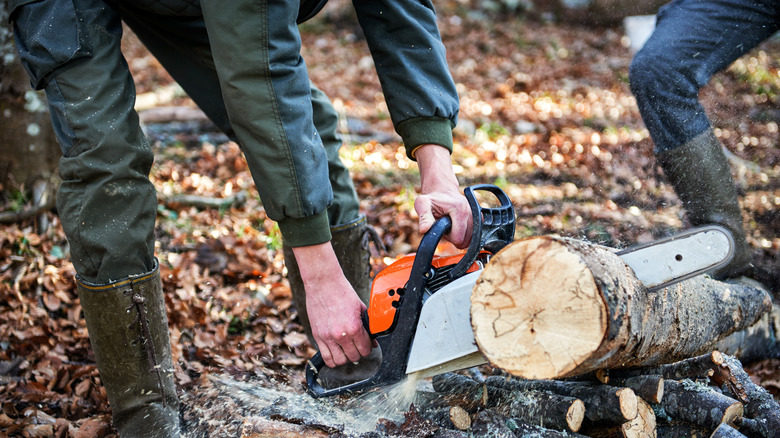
{"x": 396, "y": 344}
{"x": 493, "y": 229}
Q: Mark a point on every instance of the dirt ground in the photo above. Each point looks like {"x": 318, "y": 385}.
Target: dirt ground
{"x": 546, "y": 114}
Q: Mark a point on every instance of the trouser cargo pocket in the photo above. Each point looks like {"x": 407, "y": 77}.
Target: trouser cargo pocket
{"x": 48, "y": 34}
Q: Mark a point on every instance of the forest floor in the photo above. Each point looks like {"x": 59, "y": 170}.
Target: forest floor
{"x": 546, "y": 114}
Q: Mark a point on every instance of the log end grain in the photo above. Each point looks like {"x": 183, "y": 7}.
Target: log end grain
{"x": 534, "y": 333}
{"x": 732, "y": 412}
{"x": 460, "y": 418}
{"x": 629, "y": 406}
{"x": 575, "y": 415}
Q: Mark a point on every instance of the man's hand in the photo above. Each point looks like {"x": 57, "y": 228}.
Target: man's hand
{"x": 441, "y": 195}
{"x": 333, "y": 306}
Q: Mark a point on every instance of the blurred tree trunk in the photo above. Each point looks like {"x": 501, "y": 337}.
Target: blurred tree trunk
{"x": 28, "y": 148}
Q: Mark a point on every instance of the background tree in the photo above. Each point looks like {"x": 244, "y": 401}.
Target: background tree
{"x": 28, "y": 148}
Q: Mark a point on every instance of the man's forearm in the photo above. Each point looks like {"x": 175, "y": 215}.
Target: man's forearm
{"x": 436, "y": 172}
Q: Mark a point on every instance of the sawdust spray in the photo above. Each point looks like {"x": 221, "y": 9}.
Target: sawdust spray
{"x": 228, "y": 403}
{"x": 390, "y": 402}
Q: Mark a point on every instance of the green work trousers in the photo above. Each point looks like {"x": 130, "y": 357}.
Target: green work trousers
{"x": 106, "y": 203}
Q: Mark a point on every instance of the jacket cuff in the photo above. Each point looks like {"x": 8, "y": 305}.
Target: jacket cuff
{"x": 311, "y": 230}
{"x": 425, "y": 130}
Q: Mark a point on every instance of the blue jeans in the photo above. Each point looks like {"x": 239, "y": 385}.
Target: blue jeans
{"x": 693, "y": 40}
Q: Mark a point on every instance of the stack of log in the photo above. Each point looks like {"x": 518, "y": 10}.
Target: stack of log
{"x": 582, "y": 348}
{"x": 705, "y": 396}
{"x": 708, "y": 395}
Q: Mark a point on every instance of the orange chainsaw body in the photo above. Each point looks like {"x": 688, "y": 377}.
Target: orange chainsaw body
{"x": 385, "y": 296}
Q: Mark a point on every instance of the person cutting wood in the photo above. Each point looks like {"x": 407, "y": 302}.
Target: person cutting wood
{"x": 241, "y": 63}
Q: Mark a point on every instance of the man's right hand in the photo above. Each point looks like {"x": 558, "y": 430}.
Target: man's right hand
{"x": 333, "y": 306}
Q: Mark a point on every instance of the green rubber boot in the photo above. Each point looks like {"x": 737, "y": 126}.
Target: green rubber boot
{"x": 700, "y": 174}
{"x": 128, "y": 330}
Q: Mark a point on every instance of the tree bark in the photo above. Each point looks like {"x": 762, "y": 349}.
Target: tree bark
{"x": 602, "y": 403}
{"x": 461, "y": 390}
{"x": 759, "y": 403}
{"x": 642, "y": 426}
{"x": 693, "y": 367}
{"x": 488, "y": 423}
{"x": 549, "y": 410}
{"x": 726, "y": 431}
{"x": 691, "y": 403}
{"x": 551, "y": 307}
{"x": 451, "y": 417}
{"x": 757, "y": 342}
{"x": 648, "y": 387}
{"x": 681, "y": 431}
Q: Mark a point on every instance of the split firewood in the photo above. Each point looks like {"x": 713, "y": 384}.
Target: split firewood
{"x": 759, "y": 404}
{"x": 647, "y": 387}
{"x": 642, "y": 426}
{"x": 488, "y": 423}
{"x": 698, "y": 404}
{"x": 726, "y": 431}
{"x": 549, "y": 410}
{"x": 551, "y": 307}
{"x": 603, "y": 403}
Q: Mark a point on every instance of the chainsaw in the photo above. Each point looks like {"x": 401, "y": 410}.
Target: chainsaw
{"x": 419, "y": 309}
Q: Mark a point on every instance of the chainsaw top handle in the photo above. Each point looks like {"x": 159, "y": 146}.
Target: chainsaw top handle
{"x": 493, "y": 229}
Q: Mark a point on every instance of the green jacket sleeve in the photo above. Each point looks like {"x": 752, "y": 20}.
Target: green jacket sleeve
{"x": 411, "y": 62}
{"x": 265, "y": 84}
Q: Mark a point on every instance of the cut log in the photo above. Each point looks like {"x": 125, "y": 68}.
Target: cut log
{"x": 694, "y": 367}
{"x": 726, "y": 431}
{"x": 757, "y": 342}
{"x": 550, "y": 307}
{"x": 603, "y": 403}
{"x": 451, "y": 417}
{"x": 698, "y": 404}
{"x": 759, "y": 403}
{"x": 649, "y": 387}
{"x": 489, "y": 423}
{"x": 549, "y": 410}
{"x": 642, "y": 426}
{"x": 461, "y": 390}
{"x": 752, "y": 428}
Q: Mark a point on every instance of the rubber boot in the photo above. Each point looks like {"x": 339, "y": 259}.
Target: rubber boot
{"x": 128, "y": 330}
{"x": 700, "y": 174}
{"x": 351, "y": 244}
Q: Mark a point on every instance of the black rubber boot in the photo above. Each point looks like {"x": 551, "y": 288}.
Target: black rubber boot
{"x": 351, "y": 244}
{"x": 128, "y": 330}
{"x": 700, "y": 174}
